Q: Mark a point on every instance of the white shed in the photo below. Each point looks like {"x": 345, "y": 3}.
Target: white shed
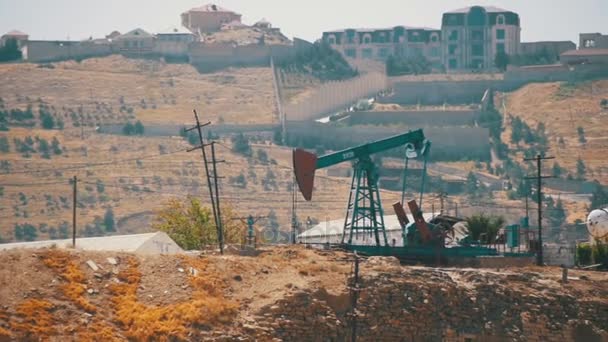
{"x": 148, "y": 243}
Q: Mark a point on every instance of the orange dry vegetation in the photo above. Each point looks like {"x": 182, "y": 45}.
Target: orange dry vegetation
{"x": 33, "y": 318}
{"x": 70, "y": 271}
{"x": 143, "y": 322}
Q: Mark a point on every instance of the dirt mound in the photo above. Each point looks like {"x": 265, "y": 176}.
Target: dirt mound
{"x": 292, "y": 293}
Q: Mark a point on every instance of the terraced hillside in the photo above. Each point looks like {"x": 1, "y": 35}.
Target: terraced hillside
{"x": 566, "y": 110}
{"x": 132, "y": 176}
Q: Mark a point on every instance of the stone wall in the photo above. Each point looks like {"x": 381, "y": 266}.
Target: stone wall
{"x": 50, "y": 51}
{"x": 209, "y": 57}
{"x": 333, "y": 96}
{"x": 412, "y": 118}
{"x": 449, "y": 143}
{"x": 424, "y": 304}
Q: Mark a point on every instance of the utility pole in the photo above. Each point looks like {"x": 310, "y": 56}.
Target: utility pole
{"x": 199, "y": 127}
{"x": 539, "y": 202}
{"x": 220, "y": 227}
{"x": 75, "y": 181}
{"x": 294, "y": 207}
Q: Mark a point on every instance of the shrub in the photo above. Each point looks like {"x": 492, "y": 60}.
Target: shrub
{"x": 108, "y": 220}
{"x": 4, "y": 145}
{"x": 192, "y": 226}
{"x": 240, "y": 145}
{"x": 396, "y": 65}
{"x": 262, "y": 156}
{"x": 138, "y": 128}
{"x": 481, "y": 226}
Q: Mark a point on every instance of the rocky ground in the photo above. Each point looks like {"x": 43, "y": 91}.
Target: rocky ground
{"x": 289, "y": 293}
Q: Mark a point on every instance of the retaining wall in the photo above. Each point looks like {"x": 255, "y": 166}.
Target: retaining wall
{"x": 415, "y": 118}
{"x": 51, "y": 51}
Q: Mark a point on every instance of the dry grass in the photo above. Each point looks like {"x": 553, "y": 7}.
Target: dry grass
{"x": 69, "y": 270}
{"x": 167, "y": 323}
{"x": 33, "y": 319}
{"x": 564, "y": 107}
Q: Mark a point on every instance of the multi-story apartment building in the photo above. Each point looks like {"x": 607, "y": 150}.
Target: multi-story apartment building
{"x": 469, "y": 38}
{"x": 474, "y": 35}
{"x": 593, "y": 41}
{"x": 378, "y": 44}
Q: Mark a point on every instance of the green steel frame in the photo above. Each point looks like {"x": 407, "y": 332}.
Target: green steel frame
{"x": 364, "y": 211}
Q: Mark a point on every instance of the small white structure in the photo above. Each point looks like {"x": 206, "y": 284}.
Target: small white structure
{"x": 331, "y": 232}
{"x": 149, "y": 243}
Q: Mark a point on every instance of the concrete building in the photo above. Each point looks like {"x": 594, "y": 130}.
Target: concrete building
{"x": 149, "y": 243}
{"x": 208, "y": 18}
{"x": 472, "y": 36}
{"x": 331, "y": 232}
{"x": 378, "y": 44}
{"x": 593, "y": 41}
{"x": 20, "y": 37}
{"x": 136, "y": 41}
{"x": 585, "y": 56}
{"x": 173, "y": 42}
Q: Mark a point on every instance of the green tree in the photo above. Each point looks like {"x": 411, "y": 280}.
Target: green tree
{"x": 240, "y": 145}
{"x": 108, "y": 220}
{"x": 138, "y": 129}
{"x": 557, "y": 170}
{"x": 484, "y": 228}
{"x": 44, "y": 148}
{"x": 556, "y": 213}
{"x": 581, "y": 169}
{"x": 192, "y": 226}
{"x": 599, "y": 198}
{"x": 10, "y": 51}
{"x": 128, "y": 129}
{"x": 4, "y": 145}
{"x": 56, "y": 147}
{"x": 47, "y": 120}
{"x": 501, "y": 60}
{"x": 581, "y": 135}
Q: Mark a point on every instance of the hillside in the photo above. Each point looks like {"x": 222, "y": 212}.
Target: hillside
{"x": 563, "y": 108}
{"x": 292, "y": 294}
{"x": 118, "y": 172}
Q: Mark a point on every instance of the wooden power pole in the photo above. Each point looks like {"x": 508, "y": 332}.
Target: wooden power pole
{"x": 75, "y": 185}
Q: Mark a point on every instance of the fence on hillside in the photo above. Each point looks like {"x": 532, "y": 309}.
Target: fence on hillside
{"x": 333, "y": 96}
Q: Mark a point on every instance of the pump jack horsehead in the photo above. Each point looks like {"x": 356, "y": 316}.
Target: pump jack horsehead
{"x": 364, "y": 211}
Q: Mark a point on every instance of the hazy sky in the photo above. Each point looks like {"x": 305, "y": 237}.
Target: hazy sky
{"x": 79, "y": 19}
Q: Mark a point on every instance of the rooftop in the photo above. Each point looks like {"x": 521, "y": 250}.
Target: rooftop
{"x": 586, "y": 52}
{"x": 489, "y": 9}
{"x": 149, "y": 243}
{"x": 16, "y": 33}
{"x": 384, "y": 29}
{"x": 211, "y": 8}
{"x": 175, "y": 30}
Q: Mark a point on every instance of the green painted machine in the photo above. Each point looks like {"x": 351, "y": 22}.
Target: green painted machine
{"x": 364, "y": 210}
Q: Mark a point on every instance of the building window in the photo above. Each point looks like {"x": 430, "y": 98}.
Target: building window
{"x": 332, "y": 40}
{"x": 452, "y": 49}
{"x": 452, "y": 20}
{"x": 477, "y": 64}
{"x": 367, "y": 39}
{"x": 453, "y": 63}
{"x": 383, "y": 52}
{"x": 477, "y": 50}
{"x": 500, "y": 47}
{"x": 434, "y": 51}
{"x": 352, "y": 53}
{"x": 367, "y": 53}
{"x": 434, "y": 37}
{"x": 477, "y": 35}
{"x": 453, "y": 35}
{"x": 500, "y": 20}
{"x": 589, "y": 43}
{"x": 500, "y": 34}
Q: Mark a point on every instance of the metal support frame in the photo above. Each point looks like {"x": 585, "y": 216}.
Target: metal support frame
{"x": 364, "y": 211}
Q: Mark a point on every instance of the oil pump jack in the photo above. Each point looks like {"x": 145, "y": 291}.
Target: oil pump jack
{"x": 364, "y": 210}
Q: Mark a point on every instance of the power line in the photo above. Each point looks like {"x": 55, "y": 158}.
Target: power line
{"x": 119, "y": 161}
